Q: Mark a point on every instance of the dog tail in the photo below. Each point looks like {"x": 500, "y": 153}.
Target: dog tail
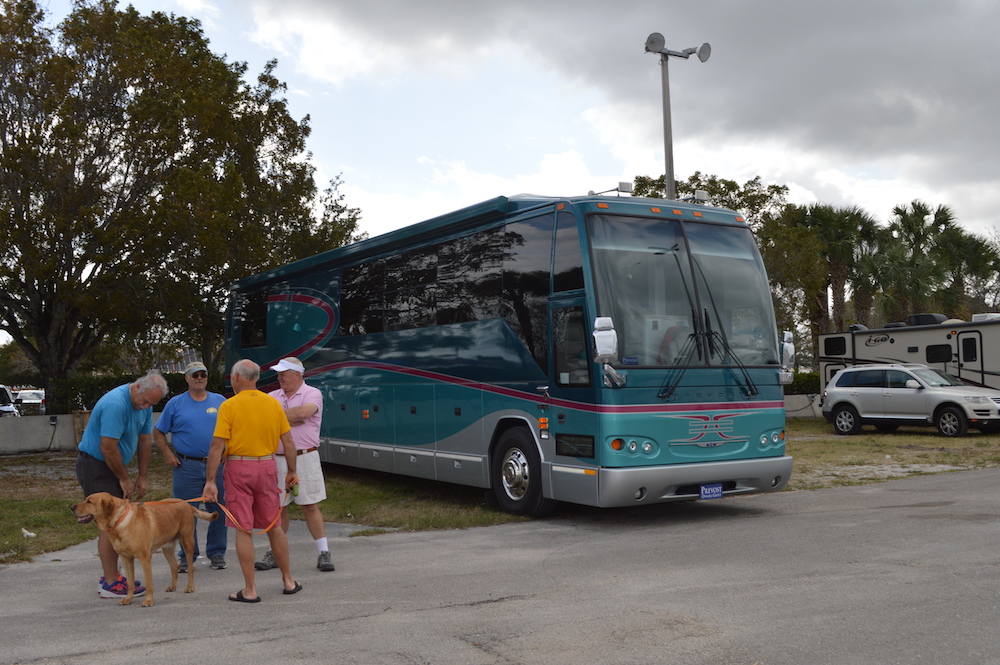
{"x": 201, "y": 514}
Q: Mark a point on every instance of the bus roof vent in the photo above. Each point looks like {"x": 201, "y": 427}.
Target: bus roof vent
{"x": 855, "y": 327}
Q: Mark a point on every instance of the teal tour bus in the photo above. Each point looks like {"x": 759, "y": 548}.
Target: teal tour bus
{"x": 605, "y": 351}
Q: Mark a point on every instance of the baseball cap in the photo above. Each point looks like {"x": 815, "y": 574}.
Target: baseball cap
{"x": 286, "y": 364}
{"x": 195, "y": 367}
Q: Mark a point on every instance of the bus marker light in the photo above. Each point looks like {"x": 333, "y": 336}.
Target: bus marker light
{"x": 677, "y": 212}
{"x": 543, "y": 423}
{"x": 655, "y": 210}
{"x": 602, "y": 205}
{"x": 364, "y": 414}
{"x": 618, "y": 444}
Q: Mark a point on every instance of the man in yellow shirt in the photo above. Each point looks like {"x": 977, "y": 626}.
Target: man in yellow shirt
{"x": 248, "y": 429}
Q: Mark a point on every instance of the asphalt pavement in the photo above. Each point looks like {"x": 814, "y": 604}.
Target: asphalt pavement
{"x": 905, "y": 571}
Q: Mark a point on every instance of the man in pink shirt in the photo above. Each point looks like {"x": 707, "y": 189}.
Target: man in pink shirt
{"x": 303, "y": 406}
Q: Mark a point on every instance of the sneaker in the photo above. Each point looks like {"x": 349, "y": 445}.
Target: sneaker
{"x": 182, "y": 564}
{"x": 100, "y": 583}
{"x": 119, "y": 588}
{"x": 218, "y": 562}
{"x": 267, "y": 563}
{"x": 324, "y": 563}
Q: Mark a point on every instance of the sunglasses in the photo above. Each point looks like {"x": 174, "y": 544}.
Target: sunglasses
{"x": 199, "y": 375}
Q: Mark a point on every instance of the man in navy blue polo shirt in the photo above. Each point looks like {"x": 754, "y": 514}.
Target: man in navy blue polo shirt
{"x": 189, "y": 419}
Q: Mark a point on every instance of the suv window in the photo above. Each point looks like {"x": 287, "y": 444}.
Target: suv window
{"x": 896, "y": 378}
{"x": 869, "y": 378}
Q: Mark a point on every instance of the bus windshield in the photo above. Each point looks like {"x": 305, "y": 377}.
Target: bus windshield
{"x": 682, "y": 294}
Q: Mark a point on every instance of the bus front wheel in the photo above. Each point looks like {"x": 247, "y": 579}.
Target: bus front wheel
{"x": 516, "y": 475}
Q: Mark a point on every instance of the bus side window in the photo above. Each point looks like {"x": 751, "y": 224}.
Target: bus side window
{"x": 567, "y": 274}
{"x": 570, "y": 339}
{"x": 253, "y": 320}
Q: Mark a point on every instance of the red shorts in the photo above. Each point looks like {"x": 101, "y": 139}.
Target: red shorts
{"x": 252, "y": 493}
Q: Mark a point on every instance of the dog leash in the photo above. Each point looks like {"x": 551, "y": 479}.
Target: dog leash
{"x": 225, "y": 510}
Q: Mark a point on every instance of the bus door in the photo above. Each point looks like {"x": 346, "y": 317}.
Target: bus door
{"x": 573, "y": 431}
{"x": 970, "y": 357}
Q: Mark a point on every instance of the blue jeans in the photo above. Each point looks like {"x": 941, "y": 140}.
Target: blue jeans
{"x": 189, "y": 483}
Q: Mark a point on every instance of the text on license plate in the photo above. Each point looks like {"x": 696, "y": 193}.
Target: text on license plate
{"x": 713, "y": 491}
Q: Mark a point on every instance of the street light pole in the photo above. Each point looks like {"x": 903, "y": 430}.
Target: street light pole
{"x": 655, "y": 44}
{"x": 669, "y": 183}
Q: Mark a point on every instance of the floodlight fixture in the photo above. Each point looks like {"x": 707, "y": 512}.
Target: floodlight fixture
{"x": 655, "y": 43}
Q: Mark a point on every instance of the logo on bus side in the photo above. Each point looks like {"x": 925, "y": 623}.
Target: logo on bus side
{"x": 875, "y": 340}
{"x": 709, "y": 431}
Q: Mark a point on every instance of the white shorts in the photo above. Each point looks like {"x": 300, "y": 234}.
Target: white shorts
{"x": 312, "y": 485}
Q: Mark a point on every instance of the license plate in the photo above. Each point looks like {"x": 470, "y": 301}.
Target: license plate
{"x": 713, "y": 491}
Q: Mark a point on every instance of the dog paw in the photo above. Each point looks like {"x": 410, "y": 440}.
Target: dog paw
{"x": 189, "y": 589}
{"x": 148, "y": 602}
{"x": 125, "y": 601}
{"x": 172, "y": 587}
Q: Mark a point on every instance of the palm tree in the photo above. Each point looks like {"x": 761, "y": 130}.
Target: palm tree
{"x": 965, "y": 258}
{"x": 909, "y": 272}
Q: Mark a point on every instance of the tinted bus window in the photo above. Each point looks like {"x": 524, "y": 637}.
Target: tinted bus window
{"x": 253, "y": 319}
{"x": 410, "y": 286}
{"x": 526, "y": 268}
{"x": 361, "y": 299}
{"x": 567, "y": 273}
{"x": 470, "y": 277}
{"x": 569, "y": 336}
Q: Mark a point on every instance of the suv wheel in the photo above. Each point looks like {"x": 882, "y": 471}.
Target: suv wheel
{"x": 846, "y": 420}
{"x": 951, "y": 421}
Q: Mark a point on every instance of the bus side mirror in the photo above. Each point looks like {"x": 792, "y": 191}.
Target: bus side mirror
{"x": 605, "y": 340}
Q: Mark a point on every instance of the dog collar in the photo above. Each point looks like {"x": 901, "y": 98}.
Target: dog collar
{"x": 128, "y": 508}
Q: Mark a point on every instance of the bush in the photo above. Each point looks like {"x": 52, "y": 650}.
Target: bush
{"x": 804, "y": 383}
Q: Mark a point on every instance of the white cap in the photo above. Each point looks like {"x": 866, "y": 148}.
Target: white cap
{"x": 293, "y": 364}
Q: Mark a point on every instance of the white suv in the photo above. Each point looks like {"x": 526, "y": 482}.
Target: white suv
{"x": 7, "y": 406}
{"x": 888, "y": 396}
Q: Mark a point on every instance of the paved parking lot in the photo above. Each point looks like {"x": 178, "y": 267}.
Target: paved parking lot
{"x": 899, "y": 572}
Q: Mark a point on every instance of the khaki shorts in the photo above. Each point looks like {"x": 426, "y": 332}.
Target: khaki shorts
{"x": 312, "y": 485}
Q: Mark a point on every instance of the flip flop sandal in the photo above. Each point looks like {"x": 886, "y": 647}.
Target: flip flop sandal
{"x": 240, "y": 599}
{"x": 289, "y": 592}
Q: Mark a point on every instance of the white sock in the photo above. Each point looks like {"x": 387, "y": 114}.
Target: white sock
{"x": 321, "y": 545}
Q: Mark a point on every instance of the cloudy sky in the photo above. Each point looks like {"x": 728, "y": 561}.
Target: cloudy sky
{"x": 432, "y": 105}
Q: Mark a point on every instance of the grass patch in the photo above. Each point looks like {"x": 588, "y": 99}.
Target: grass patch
{"x": 36, "y": 490}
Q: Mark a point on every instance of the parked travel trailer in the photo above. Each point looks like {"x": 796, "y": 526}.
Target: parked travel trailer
{"x": 969, "y": 350}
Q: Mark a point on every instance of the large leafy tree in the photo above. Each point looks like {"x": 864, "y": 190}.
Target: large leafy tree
{"x": 139, "y": 176}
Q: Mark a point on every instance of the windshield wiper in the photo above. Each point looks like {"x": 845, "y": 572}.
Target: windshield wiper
{"x": 691, "y": 345}
{"x": 751, "y": 387}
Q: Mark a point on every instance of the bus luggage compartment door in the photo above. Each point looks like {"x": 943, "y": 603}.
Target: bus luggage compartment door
{"x": 376, "y": 428}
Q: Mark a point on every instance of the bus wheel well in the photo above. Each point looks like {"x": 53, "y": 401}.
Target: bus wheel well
{"x": 516, "y": 471}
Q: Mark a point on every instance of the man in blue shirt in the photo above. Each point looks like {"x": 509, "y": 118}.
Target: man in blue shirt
{"x": 118, "y": 430}
{"x": 189, "y": 419}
